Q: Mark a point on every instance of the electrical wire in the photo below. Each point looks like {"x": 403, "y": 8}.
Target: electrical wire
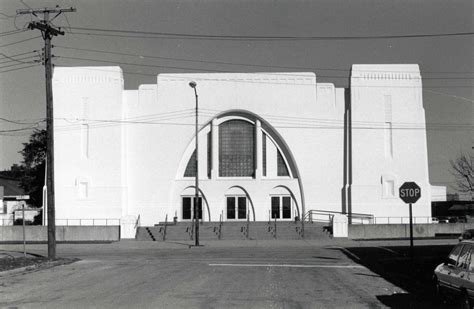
{"x": 277, "y": 122}
{"x": 25, "y": 53}
{"x": 190, "y": 60}
{"x": 25, "y": 40}
{"x": 133, "y": 33}
{"x": 12, "y": 70}
{"x": 224, "y": 71}
{"x": 20, "y": 122}
{"x": 18, "y": 60}
{"x": 187, "y": 79}
{"x": 241, "y": 64}
{"x": 12, "y": 32}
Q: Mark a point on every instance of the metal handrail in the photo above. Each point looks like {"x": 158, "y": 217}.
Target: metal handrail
{"x": 309, "y": 216}
{"x": 402, "y": 220}
{"x": 137, "y": 223}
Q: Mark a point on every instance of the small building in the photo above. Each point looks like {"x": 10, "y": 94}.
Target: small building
{"x": 271, "y": 145}
{"x": 12, "y": 203}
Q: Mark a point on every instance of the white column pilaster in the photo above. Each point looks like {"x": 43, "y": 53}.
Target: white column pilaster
{"x": 215, "y": 149}
{"x": 258, "y": 145}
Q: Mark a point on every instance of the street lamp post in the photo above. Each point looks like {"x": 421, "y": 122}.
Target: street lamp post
{"x": 196, "y": 195}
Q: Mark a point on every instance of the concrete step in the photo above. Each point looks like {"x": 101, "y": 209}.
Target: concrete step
{"x": 233, "y": 231}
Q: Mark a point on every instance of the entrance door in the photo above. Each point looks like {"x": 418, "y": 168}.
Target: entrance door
{"x": 236, "y": 208}
{"x": 188, "y": 207}
{"x": 281, "y": 207}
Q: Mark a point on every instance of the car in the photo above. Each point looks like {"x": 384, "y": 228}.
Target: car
{"x": 454, "y": 279}
{"x": 467, "y": 234}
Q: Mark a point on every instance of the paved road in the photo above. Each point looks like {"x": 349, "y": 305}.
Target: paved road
{"x": 153, "y": 275}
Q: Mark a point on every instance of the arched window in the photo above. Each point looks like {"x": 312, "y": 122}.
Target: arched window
{"x": 236, "y": 149}
{"x": 282, "y": 169}
{"x": 191, "y": 167}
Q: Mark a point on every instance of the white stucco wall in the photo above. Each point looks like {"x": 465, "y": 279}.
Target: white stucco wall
{"x": 88, "y": 170}
{"x": 373, "y": 89}
{"x": 140, "y": 141}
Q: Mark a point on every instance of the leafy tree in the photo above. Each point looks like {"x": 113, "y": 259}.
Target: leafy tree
{"x": 15, "y": 172}
{"x": 33, "y": 166}
{"x": 463, "y": 170}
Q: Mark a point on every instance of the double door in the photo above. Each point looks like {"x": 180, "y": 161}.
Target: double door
{"x": 188, "y": 207}
{"x": 237, "y": 207}
{"x": 281, "y": 207}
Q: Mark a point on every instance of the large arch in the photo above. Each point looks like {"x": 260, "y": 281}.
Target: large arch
{"x": 268, "y": 129}
{"x": 280, "y": 142}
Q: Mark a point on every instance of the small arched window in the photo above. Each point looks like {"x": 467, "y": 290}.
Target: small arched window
{"x": 191, "y": 167}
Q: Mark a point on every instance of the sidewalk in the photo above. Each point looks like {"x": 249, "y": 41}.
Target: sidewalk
{"x": 91, "y": 249}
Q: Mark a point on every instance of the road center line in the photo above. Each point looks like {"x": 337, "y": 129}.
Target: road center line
{"x": 289, "y": 265}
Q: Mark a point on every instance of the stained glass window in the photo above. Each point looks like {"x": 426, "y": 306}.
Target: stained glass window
{"x": 264, "y": 154}
{"x": 191, "y": 167}
{"x": 282, "y": 169}
{"x": 236, "y": 149}
{"x": 209, "y": 154}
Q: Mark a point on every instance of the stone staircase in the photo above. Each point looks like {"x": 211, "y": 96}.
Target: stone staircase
{"x": 232, "y": 231}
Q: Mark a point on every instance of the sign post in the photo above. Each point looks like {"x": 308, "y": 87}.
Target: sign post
{"x": 22, "y": 198}
{"x": 410, "y": 192}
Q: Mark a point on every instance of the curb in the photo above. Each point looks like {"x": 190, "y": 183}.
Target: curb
{"x": 39, "y": 266}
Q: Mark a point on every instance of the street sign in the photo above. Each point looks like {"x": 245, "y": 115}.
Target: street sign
{"x": 22, "y": 197}
{"x": 410, "y": 192}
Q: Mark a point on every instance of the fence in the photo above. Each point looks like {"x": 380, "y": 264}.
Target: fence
{"x": 401, "y": 220}
{"x": 325, "y": 216}
{"x": 74, "y": 222}
{"x": 6, "y": 222}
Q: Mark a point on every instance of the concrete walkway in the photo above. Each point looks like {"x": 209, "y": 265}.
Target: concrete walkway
{"x": 73, "y": 250}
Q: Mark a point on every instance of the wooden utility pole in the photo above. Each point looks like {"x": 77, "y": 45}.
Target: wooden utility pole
{"x": 48, "y": 32}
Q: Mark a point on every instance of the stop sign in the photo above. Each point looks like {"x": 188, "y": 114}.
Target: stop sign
{"x": 410, "y": 192}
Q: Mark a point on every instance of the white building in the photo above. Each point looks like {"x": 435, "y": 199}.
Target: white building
{"x": 270, "y": 144}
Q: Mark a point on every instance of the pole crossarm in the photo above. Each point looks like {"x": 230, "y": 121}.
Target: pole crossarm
{"x": 45, "y": 10}
{"x": 45, "y": 28}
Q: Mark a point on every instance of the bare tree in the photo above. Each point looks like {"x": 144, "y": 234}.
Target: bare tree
{"x": 463, "y": 170}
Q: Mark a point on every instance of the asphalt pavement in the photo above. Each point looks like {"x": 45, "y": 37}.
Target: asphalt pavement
{"x": 219, "y": 274}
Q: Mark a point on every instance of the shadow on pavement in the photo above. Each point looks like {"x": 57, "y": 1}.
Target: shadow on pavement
{"x": 394, "y": 264}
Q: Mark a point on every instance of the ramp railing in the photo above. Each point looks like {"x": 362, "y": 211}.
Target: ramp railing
{"x": 326, "y": 216}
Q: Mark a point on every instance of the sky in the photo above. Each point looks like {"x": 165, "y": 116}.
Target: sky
{"x": 446, "y": 62}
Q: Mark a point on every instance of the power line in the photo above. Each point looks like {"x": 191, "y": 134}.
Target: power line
{"x": 137, "y": 64}
{"x": 314, "y": 124}
{"x": 242, "y": 64}
{"x": 15, "y": 64}
{"x": 2, "y": 34}
{"x": 18, "y": 60}
{"x": 12, "y": 70}
{"x": 269, "y": 38}
{"x": 6, "y": 16}
{"x": 258, "y": 82}
{"x": 25, "y": 53}
{"x": 225, "y": 71}
{"x": 18, "y": 122}
{"x": 25, "y": 40}
{"x": 191, "y": 60}
{"x": 451, "y": 95}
